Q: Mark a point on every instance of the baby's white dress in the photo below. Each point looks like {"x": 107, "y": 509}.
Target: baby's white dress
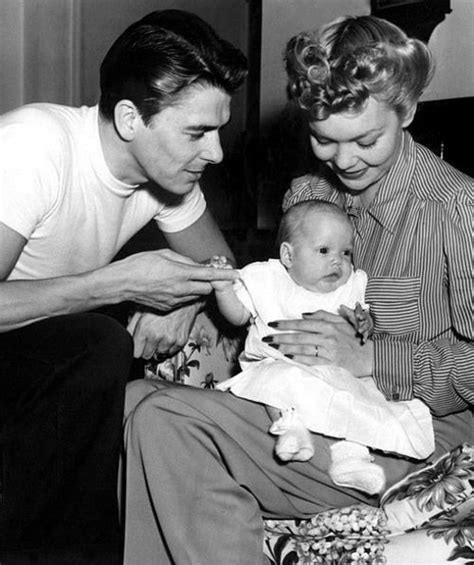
{"x": 329, "y": 400}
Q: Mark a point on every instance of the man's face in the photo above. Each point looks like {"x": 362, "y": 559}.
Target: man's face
{"x": 321, "y": 255}
{"x": 181, "y": 140}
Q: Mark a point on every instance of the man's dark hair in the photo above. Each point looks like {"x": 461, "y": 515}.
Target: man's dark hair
{"x": 162, "y": 54}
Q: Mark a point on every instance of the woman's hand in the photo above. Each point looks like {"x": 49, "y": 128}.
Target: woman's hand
{"x": 322, "y": 338}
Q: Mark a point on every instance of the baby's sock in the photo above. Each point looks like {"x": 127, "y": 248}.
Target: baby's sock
{"x": 352, "y": 466}
{"x": 294, "y": 441}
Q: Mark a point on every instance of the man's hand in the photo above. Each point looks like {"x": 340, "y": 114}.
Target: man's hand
{"x": 322, "y": 338}
{"x": 164, "y": 334}
{"x": 163, "y": 279}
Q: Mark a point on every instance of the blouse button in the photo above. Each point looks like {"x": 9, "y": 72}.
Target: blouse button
{"x": 395, "y": 395}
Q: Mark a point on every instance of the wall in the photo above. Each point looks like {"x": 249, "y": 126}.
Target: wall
{"x": 452, "y": 44}
{"x": 38, "y": 47}
{"x": 11, "y": 55}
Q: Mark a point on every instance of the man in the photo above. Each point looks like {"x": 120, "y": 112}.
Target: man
{"x": 76, "y": 184}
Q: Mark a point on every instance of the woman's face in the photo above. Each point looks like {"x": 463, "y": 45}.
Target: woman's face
{"x": 360, "y": 148}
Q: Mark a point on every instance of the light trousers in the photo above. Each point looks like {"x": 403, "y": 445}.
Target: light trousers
{"x": 200, "y": 474}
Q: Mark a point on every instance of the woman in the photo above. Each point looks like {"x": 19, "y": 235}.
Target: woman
{"x": 359, "y": 82}
{"x": 200, "y": 462}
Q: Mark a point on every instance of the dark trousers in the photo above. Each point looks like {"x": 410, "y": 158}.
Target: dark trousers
{"x": 62, "y": 383}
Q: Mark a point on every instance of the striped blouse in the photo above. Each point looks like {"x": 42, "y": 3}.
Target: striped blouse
{"x": 415, "y": 243}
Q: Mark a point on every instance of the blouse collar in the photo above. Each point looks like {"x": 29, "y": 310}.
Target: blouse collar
{"x": 394, "y": 191}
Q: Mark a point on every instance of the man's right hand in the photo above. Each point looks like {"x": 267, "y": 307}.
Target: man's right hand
{"x": 164, "y": 279}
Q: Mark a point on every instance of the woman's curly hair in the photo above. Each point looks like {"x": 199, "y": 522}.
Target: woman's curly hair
{"x": 352, "y": 58}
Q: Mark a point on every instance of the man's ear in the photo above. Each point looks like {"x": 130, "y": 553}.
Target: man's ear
{"x": 286, "y": 254}
{"x": 407, "y": 120}
{"x": 126, "y": 119}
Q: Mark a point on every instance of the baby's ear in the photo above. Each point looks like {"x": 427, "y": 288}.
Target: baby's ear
{"x": 286, "y": 254}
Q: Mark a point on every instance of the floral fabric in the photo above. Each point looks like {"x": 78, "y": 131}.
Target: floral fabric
{"x": 209, "y": 357}
{"x": 356, "y": 534}
{"x": 426, "y": 519}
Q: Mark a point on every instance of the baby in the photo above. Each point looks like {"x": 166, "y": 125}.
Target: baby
{"x": 315, "y": 272}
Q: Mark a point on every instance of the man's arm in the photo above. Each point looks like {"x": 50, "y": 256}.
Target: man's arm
{"x": 167, "y": 333}
{"x": 201, "y": 240}
{"x": 158, "y": 279}
{"x": 11, "y": 246}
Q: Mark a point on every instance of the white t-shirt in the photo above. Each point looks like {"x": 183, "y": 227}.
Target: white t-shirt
{"x": 57, "y": 191}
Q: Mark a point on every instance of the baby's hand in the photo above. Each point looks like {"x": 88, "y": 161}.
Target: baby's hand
{"x": 364, "y": 323}
{"x": 220, "y": 262}
{"x": 360, "y": 319}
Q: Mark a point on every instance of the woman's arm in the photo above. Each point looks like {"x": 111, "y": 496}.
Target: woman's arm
{"x": 444, "y": 368}
{"x": 322, "y": 338}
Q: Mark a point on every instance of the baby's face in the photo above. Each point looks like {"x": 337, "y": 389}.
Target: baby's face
{"x": 321, "y": 256}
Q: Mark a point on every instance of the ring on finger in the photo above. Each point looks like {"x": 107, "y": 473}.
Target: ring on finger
{"x": 316, "y": 350}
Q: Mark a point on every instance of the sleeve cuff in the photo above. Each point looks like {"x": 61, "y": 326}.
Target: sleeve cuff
{"x": 394, "y": 369}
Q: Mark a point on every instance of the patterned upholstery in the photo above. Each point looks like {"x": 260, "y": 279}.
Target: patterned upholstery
{"x": 428, "y": 518}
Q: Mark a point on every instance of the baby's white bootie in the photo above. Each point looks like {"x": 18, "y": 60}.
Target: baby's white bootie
{"x": 352, "y": 466}
{"x": 294, "y": 442}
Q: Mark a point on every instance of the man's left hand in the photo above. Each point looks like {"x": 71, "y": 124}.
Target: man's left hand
{"x": 161, "y": 333}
